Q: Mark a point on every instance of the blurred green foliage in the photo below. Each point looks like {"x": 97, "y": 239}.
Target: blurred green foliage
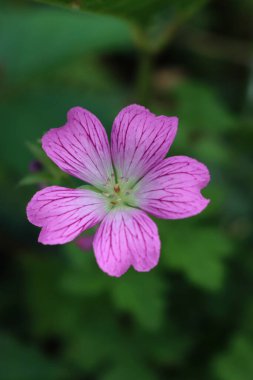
{"x": 21, "y": 362}
{"x": 191, "y": 318}
{"x": 139, "y": 12}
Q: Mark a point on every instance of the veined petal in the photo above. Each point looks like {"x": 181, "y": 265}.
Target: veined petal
{"x": 64, "y": 213}
{"x": 171, "y": 190}
{"x": 139, "y": 140}
{"x": 80, "y": 147}
{"x": 126, "y": 237}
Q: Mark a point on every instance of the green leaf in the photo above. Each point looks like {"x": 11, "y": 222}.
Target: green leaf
{"x": 103, "y": 341}
{"x": 171, "y": 346}
{"x": 143, "y": 296}
{"x": 201, "y": 110}
{"x": 50, "y": 309}
{"x": 33, "y": 179}
{"x": 141, "y": 12}
{"x": 126, "y": 371}
{"x": 236, "y": 362}
{"x": 43, "y": 108}
{"x": 97, "y": 341}
{"x": 21, "y": 361}
{"x": 41, "y": 38}
{"x": 197, "y": 251}
{"x": 83, "y": 277}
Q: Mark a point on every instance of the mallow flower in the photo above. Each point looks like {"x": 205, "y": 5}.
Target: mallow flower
{"x": 130, "y": 180}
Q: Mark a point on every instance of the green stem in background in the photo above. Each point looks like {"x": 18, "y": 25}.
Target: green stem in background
{"x": 144, "y": 77}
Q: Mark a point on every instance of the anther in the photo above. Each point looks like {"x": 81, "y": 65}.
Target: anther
{"x": 116, "y": 188}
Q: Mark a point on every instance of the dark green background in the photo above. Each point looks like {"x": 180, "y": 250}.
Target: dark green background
{"x": 191, "y": 318}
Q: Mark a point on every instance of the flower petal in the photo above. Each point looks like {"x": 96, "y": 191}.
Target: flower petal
{"x": 80, "y": 147}
{"x": 126, "y": 237}
{"x": 64, "y": 213}
{"x": 140, "y": 140}
{"x": 172, "y": 189}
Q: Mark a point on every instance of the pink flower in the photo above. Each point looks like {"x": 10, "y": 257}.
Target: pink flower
{"x": 130, "y": 179}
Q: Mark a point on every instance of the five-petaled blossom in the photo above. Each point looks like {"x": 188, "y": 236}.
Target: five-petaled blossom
{"x": 130, "y": 178}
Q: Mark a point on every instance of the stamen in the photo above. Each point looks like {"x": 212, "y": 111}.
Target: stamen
{"x": 114, "y": 203}
{"x": 116, "y": 188}
{"x": 124, "y": 179}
